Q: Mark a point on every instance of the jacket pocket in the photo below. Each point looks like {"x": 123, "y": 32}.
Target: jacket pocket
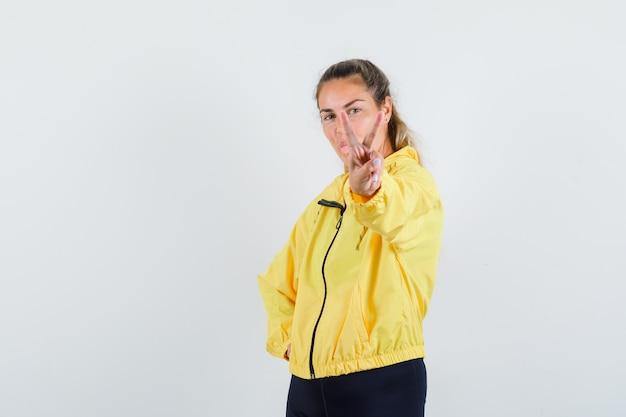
{"x": 352, "y": 335}
{"x": 357, "y": 315}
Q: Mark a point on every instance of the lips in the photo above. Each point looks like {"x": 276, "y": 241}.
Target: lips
{"x": 343, "y": 147}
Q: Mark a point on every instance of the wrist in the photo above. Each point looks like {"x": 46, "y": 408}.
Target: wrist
{"x": 365, "y": 196}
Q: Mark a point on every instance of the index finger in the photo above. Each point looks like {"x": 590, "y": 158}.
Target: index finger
{"x": 369, "y": 138}
{"x": 347, "y": 128}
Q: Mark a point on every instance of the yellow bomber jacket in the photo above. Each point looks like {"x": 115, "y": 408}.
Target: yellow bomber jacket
{"x": 351, "y": 286}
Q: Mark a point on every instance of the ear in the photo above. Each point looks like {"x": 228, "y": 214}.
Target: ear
{"x": 387, "y": 107}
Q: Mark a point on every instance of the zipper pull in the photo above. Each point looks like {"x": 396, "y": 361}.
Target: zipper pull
{"x": 334, "y": 204}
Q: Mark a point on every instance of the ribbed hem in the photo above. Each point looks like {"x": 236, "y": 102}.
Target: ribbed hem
{"x": 359, "y": 364}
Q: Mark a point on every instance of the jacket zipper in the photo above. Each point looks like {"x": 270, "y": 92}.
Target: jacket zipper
{"x": 333, "y": 204}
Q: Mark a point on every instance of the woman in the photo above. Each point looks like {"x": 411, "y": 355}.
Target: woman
{"x": 346, "y": 295}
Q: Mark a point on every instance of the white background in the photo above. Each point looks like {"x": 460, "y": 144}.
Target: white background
{"x": 155, "y": 154}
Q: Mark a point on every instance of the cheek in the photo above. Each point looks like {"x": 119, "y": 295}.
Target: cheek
{"x": 359, "y": 131}
{"x": 328, "y": 131}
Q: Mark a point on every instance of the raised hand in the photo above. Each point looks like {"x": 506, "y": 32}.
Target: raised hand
{"x": 365, "y": 164}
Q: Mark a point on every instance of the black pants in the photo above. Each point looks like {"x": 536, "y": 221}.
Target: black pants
{"x": 392, "y": 391}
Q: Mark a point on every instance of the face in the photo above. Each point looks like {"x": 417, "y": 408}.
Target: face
{"x": 351, "y": 96}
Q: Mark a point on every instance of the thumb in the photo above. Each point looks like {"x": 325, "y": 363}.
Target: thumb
{"x": 376, "y": 164}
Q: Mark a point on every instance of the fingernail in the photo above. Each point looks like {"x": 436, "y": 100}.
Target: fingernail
{"x": 375, "y": 178}
{"x": 377, "y": 162}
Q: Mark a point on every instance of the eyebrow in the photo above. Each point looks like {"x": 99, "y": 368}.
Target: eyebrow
{"x": 350, "y": 103}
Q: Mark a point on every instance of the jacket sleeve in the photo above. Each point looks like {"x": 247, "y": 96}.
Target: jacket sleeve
{"x": 406, "y": 193}
{"x": 278, "y": 291}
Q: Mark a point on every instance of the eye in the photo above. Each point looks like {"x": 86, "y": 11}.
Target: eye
{"x": 328, "y": 117}
{"x": 354, "y": 111}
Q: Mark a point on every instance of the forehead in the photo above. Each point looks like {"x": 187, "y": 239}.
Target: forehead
{"x": 338, "y": 92}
